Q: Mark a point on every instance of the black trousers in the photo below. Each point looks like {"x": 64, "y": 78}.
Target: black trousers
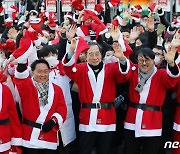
{"x": 143, "y": 145}
{"x": 100, "y": 140}
{"x": 38, "y": 151}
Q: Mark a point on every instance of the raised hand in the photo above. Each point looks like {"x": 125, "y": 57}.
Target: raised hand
{"x": 71, "y": 33}
{"x": 118, "y": 52}
{"x": 126, "y": 14}
{"x": 134, "y": 34}
{"x": 169, "y": 56}
{"x": 176, "y": 40}
{"x": 114, "y": 32}
{"x": 73, "y": 45}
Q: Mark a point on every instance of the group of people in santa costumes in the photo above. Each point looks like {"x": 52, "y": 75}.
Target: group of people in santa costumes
{"x": 42, "y": 76}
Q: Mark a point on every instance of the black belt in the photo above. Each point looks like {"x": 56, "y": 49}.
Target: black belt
{"x": 32, "y": 124}
{"x": 98, "y": 105}
{"x": 145, "y": 106}
{"x": 5, "y": 122}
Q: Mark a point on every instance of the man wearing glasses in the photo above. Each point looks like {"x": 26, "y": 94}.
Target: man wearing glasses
{"x": 97, "y": 90}
{"x": 143, "y": 123}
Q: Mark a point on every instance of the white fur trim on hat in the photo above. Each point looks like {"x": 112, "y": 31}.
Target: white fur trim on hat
{"x": 68, "y": 16}
{"x": 161, "y": 14}
{"x": 34, "y": 12}
{"x": 35, "y": 21}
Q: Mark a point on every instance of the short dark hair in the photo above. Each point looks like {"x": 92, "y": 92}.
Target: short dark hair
{"x": 38, "y": 61}
{"x": 48, "y": 49}
{"x": 146, "y": 52}
{"x": 95, "y": 43}
{"x": 125, "y": 30}
{"x": 159, "y": 47}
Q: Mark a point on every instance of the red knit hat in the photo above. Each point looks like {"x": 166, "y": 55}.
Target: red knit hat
{"x": 98, "y": 8}
{"x": 77, "y": 5}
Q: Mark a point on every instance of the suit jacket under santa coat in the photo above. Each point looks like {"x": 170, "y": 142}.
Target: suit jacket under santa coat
{"x": 177, "y": 98}
{"x": 10, "y": 134}
{"x": 148, "y": 123}
{"x": 31, "y": 110}
{"x": 92, "y": 91}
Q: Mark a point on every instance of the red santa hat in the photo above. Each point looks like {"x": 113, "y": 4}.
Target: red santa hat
{"x": 8, "y": 22}
{"x": 113, "y": 3}
{"x": 9, "y": 45}
{"x": 138, "y": 8}
{"x": 77, "y": 5}
{"x": 68, "y": 15}
{"x": 136, "y": 17}
{"x": 81, "y": 46}
{"x": 14, "y": 10}
{"x": 118, "y": 21}
{"x": 98, "y": 8}
{"x": 25, "y": 48}
{"x": 45, "y": 32}
{"x": 36, "y": 25}
{"x": 175, "y": 23}
{"x": 84, "y": 30}
{"x": 124, "y": 45}
{"x": 153, "y": 7}
{"x": 3, "y": 77}
{"x": 89, "y": 14}
{"x": 34, "y": 12}
{"x": 52, "y": 25}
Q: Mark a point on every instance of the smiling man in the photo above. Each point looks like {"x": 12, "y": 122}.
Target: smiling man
{"x": 97, "y": 90}
{"x": 147, "y": 91}
{"x": 43, "y": 108}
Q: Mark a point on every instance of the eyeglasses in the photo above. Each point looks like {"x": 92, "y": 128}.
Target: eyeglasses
{"x": 141, "y": 61}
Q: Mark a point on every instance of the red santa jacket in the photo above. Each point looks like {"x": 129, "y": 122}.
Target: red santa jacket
{"x": 148, "y": 123}
{"x": 177, "y": 98}
{"x": 10, "y": 134}
{"x": 92, "y": 91}
{"x": 31, "y": 110}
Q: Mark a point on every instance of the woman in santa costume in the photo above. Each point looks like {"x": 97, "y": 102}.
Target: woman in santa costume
{"x": 10, "y": 127}
{"x": 43, "y": 105}
{"x": 97, "y": 90}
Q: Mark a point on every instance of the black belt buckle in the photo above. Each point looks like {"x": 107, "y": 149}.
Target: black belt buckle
{"x": 98, "y": 105}
{"x": 143, "y": 107}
